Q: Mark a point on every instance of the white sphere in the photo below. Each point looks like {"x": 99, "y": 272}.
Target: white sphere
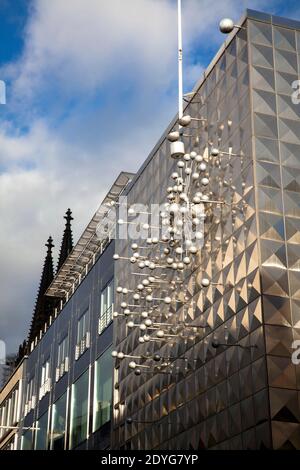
{"x": 146, "y": 338}
{"x": 116, "y": 256}
{"x": 134, "y": 246}
{"x": 140, "y": 287}
{"x": 173, "y": 136}
{"x": 143, "y": 327}
{"x": 131, "y": 211}
{"x": 115, "y": 314}
{"x": 130, "y": 324}
{"x": 187, "y": 157}
{"x": 186, "y": 260}
{"x": 144, "y": 314}
{"x": 205, "y": 181}
{"x": 119, "y": 289}
{"x": 193, "y": 249}
{"x": 198, "y": 158}
{"x": 152, "y": 266}
{"x": 141, "y": 340}
{"x": 132, "y": 260}
{"x": 123, "y": 304}
{"x": 226, "y": 25}
{"x": 167, "y": 300}
{"x": 185, "y": 120}
{"x": 188, "y": 171}
{"x": 120, "y": 222}
{"x": 148, "y": 322}
{"x": 174, "y": 175}
{"x": 142, "y": 265}
{"x": 205, "y": 197}
{"x": 155, "y": 240}
{"x": 180, "y": 265}
{"x": 125, "y": 291}
{"x": 196, "y": 200}
{"x": 202, "y": 166}
{"x": 160, "y": 334}
{"x": 136, "y": 255}
{"x": 180, "y": 164}
{"x": 195, "y": 176}
{"x": 114, "y": 353}
{"x": 179, "y": 250}
{"x": 149, "y": 298}
{"x": 188, "y": 243}
{"x": 199, "y": 235}
{"x": 145, "y": 282}
{"x": 132, "y": 365}
{"x": 146, "y": 226}
{"x": 193, "y": 155}
{"x": 196, "y": 221}
{"x": 170, "y": 260}
{"x": 174, "y": 265}
{"x": 136, "y": 296}
{"x": 205, "y": 282}
{"x": 120, "y": 355}
{"x": 214, "y": 152}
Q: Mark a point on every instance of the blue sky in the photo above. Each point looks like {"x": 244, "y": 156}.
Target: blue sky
{"x": 91, "y": 85}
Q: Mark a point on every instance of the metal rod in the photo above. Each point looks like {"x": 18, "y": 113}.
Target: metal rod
{"x": 180, "y": 56}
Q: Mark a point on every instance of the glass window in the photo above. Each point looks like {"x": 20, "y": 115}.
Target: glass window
{"x": 107, "y": 297}
{"x": 45, "y": 372}
{"x": 79, "y": 410}
{"x": 62, "y": 351}
{"x": 59, "y": 423}
{"x": 41, "y": 437}
{"x": 107, "y": 301}
{"x": 26, "y": 440}
{"x": 103, "y": 389}
{"x": 82, "y": 328}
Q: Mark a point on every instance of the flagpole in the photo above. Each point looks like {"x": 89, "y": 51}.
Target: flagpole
{"x": 180, "y": 79}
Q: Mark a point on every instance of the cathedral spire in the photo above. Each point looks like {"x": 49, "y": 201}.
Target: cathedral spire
{"x": 44, "y": 305}
{"x": 67, "y": 241}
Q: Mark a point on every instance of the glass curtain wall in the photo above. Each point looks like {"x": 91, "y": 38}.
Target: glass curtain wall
{"x": 79, "y": 410}
{"x": 103, "y": 389}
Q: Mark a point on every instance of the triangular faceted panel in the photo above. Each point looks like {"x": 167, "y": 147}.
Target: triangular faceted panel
{"x": 286, "y": 108}
{"x": 268, "y": 174}
{"x": 273, "y": 254}
{"x": 284, "y": 81}
{"x": 271, "y": 226}
{"x": 260, "y": 33}
{"x": 274, "y": 281}
{"x": 291, "y": 203}
{"x": 290, "y": 154}
{"x": 263, "y": 79}
{"x": 284, "y": 39}
{"x": 266, "y": 149}
{"x": 295, "y": 284}
{"x": 293, "y": 253}
{"x": 292, "y": 228}
{"x": 277, "y": 310}
{"x": 265, "y": 125}
{"x": 291, "y": 179}
{"x": 281, "y": 372}
{"x": 289, "y": 130}
{"x": 269, "y": 200}
{"x": 264, "y": 102}
{"x": 262, "y": 56}
{"x": 278, "y": 340}
{"x": 285, "y": 435}
{"x": 254, "y": 287}
{"x": 285, "y": 61}
{"x": 255, "y": 314}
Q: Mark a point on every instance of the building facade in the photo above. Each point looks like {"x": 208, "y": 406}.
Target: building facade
{"x": 240, "y": 389}
{"x": 231, "y": 383}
